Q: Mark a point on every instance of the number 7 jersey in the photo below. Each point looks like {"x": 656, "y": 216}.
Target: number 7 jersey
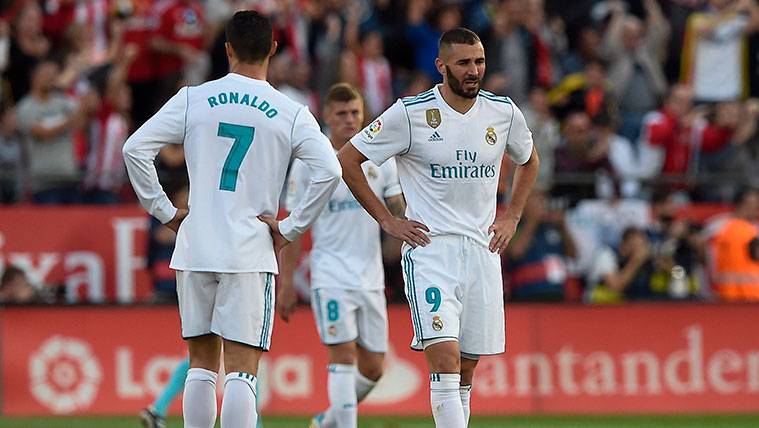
{"x": 239, "y": 135}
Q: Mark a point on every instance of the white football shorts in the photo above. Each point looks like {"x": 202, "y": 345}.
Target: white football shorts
{"x": 455, "y": 292}
{"x": 235, "y": 306}
{"x": 344, "y": 316}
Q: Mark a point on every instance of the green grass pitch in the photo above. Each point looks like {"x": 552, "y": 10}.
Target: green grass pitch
{"x": 698, "y": 421}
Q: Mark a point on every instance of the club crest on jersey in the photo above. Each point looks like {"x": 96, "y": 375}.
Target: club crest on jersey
{"x": 437, "y": 323}
{"x": 371, "y": 172}
{"x": 332, "y": 331}
{"x": 433, "y": 117}
{"x": 490, "y": 136}
{"x": 373, "y": 129}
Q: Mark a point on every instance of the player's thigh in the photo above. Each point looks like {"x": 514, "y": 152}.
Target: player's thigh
{"x": 335, "y": 314}
{"x": 196, "y": 292}
{"x": 431, "y": 276}
{"x": 244, "y": 308}
{"x": 483, "y": 328}
{"x": 372, "y": 321}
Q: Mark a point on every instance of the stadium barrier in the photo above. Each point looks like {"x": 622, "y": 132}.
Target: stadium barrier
{"x": 637, "y": 358}
{"x": 98, "y": 254}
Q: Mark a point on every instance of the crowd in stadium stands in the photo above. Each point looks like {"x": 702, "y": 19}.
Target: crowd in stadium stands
{"x": 636, "y": 108}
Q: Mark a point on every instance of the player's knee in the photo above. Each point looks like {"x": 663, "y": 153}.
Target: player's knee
{"x": 467, "y": 374}
{"x": 205, "y": 352}
{"x": 467, "y": 369}
{"x": 344, "y": 353}
{"x": 372, "y": 371}
{"x": 444, "y": 362}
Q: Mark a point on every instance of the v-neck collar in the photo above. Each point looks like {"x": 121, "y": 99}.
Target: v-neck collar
{"x": 444, "y": 103}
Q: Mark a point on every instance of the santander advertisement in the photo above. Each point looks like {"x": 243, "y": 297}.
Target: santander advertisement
{"x": 657, "y": 358}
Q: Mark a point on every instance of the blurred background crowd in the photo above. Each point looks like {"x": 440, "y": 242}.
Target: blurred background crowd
{"x": 642, "y": 111}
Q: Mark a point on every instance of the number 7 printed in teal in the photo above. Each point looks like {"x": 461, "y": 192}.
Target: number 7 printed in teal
{"x": 243, "y": 136}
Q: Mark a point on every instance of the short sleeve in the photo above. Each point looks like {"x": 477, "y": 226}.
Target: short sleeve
{"x": 519, "y": 139}
{"x": 387, "y": 136}
{"x": 390, "y": 174}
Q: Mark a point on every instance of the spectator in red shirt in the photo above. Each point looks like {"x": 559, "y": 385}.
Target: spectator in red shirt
{"x": 179, "y": 42}
{"x": 140, "y": 24}
{"x": 731, "y": 125}
{"x": 675, "y": 130}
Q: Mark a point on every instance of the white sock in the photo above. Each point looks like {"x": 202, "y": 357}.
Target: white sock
{"x": 364, "y": 386}
{"x": 446, "y": 401}
{"x": 341, "y": 388}
{"x": 238, "y": 408}
{"x": 465, "y": 391}
{"x": 199, "y": 400}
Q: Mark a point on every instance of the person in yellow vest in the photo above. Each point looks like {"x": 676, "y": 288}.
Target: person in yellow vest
{"x": 733, "y": 247}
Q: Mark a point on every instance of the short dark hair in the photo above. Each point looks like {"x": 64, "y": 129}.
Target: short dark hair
{"x": 342, "y": 93}
{"x": 250, "y": 35}
{"x": 10, "y": 273}
{"x": 631, "y": 231}
{"x": 458, "y": 36}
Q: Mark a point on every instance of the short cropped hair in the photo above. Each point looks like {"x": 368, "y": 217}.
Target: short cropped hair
{"x": 10, "y": 273}
{"x": 459, "y": 36}
{"x": 342, "y": 93}
{"x": 250, "y": 35}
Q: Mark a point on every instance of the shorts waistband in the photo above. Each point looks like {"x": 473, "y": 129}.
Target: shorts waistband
{"x": 450, "y": 239}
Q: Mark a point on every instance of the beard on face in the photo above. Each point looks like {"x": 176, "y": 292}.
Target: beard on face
{"x": 457, "y": 86}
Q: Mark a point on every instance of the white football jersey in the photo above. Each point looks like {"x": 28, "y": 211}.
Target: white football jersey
{"x": 448, "y": 162}
{"x": 346, "y": 250}
{"x": 239, "y": 136}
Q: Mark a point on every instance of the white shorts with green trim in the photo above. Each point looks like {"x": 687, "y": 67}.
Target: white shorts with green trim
{"x": 344, "y": 316}
{"x": 235, "y": 306}
{"x": 454, "y": 289}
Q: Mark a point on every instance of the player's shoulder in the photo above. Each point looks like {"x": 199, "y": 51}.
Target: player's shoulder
{"x": 418, "y": 101}
{"x": 493, "y": 99}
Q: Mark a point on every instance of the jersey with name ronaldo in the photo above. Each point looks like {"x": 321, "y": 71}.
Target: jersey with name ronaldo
{"x": 239, "y": 135}
{"x": 347, "y": 252}
{"x": 449, "y": 162}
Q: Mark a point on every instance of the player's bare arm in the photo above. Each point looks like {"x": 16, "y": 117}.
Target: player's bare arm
{"x": 504, "y": 227}
{"x": 396, "y": 205}
{"x": 410, "y": 231}
{"x": 287, "y": 297}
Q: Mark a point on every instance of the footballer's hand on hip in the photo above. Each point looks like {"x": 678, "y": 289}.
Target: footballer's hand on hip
{"x": 503, "y": 230}
{"x": 280, "y": 241}
{"x": 410, "y": 231}
{"x": 179, "y": 217}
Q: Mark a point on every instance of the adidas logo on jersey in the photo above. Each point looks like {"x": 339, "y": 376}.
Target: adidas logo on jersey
{"x": 435, "y": 137}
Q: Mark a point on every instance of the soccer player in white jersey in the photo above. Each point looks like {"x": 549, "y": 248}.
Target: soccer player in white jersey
{"x": 448, "y": 144}
{"x": 347, "y": 279}
{"x": 239, "y": 136}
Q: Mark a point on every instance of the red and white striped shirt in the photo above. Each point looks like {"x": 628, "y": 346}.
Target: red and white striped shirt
{"x": 105, "y": 164}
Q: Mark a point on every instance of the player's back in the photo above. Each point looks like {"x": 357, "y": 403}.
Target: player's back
{"x": 238, "y": 144}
